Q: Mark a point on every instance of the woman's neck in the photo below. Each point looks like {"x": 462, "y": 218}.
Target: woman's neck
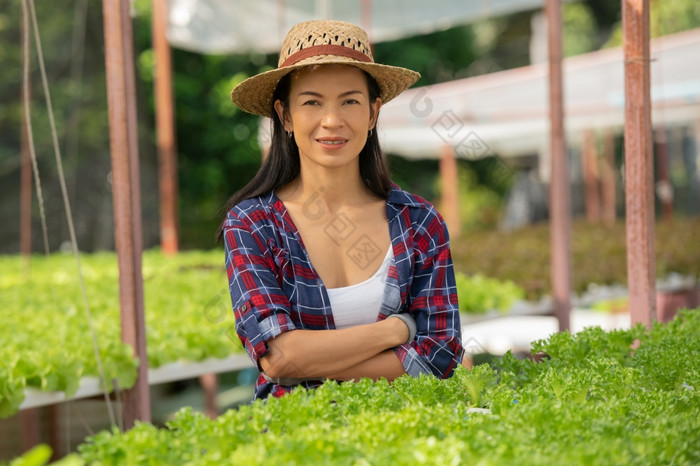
{"x": 334, "y": 188}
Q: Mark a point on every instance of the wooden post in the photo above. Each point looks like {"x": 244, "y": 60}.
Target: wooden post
{"x": 608, "y": 178}
{"x": 210, "y": 386}
{"x": 31, "y": 428}
{"x": 165, "y": 130}
{"x": 54, "y": 421}
{"x": 639, "y": 183}
{"x": 559, "y": 196}
{"x": 126, "y": 197}
{"x": 449, "y": 186}
{"x": 591, "y": 178}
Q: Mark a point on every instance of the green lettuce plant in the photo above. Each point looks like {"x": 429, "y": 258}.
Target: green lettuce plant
{"x": 47, "y": 343}
{"x": 593, "y": 400}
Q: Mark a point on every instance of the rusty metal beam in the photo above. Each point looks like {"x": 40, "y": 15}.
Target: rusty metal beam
{"x": 165, "y": 130}
{"x": 126, "y": 197}
{"x": 639, "y": 178}
{"x": 559, "y": 196}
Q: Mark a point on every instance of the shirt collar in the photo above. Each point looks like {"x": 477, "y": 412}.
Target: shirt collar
{"x": 399, "y": 197}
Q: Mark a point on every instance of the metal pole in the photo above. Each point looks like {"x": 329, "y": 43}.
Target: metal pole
{"x": 639, "y": 183}
{"x": 449, "y": 196}
{"x": 591, "y": 176}
{"x": 165, "y": 130}
{"x": 126, "y": 193}
{"x": 559, "y": 202}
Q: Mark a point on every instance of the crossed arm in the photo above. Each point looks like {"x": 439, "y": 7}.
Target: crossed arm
{"x": 345, "y": 354}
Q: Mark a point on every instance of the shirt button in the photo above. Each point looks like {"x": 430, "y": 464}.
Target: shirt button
{"x": 244, "y": 307}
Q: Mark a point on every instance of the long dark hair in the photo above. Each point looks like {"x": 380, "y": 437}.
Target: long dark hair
{"x": 282, "y": 162}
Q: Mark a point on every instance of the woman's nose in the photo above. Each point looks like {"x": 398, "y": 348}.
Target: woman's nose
{"x": 331, "y": 117}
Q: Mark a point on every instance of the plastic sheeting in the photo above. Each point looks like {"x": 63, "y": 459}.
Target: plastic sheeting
{"x": 506, "y": 113}
{"x": 227, "y": 26}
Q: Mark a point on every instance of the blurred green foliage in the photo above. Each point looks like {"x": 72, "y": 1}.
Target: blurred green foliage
{"x": 479, "y": 294}
{"x": 666, "y": 17}
{"x": 580, "y": 29}
{"x": 187, "y": 316}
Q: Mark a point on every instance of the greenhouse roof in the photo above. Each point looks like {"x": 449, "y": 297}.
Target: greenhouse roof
{"x": 223, "y": 26}
{"x": 506, "y": 113}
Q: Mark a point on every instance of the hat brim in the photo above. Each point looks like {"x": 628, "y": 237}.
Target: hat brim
{"x": 254, "y": 95}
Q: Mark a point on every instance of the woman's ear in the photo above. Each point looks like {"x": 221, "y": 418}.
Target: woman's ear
{"x": 374, "y": 112}
{"x": 283, "y": 116}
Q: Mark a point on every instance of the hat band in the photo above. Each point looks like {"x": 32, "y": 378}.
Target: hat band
{"x": 327, "y": 49}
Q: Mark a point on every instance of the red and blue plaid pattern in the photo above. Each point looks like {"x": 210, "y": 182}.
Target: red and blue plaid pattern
{"x": 274, "y": 287}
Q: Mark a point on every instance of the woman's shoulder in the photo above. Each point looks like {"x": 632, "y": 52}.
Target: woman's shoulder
{"x": 419, "y": 208}
{"x": 252, "y": 210}
{"x": 420, "y": 217}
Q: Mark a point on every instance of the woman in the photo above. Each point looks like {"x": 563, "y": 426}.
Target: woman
{"x": 335, "y": 272}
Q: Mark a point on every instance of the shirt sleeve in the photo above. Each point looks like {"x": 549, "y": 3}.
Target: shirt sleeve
{"x": 437, "y": 348}
{"x": 261, "y": 309}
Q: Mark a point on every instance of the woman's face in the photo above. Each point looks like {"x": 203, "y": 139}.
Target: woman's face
{"x": 330, "y": 114}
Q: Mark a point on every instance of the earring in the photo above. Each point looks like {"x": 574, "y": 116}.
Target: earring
{"x": 290, "y": 134}
{"x": 369, "y": 135}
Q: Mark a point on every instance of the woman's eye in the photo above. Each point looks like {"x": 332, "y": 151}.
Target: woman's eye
{"x": 352, "y": 101}
{"x": 311, "y": 102}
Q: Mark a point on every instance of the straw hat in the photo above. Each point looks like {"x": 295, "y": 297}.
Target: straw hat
{"x": 320, "y": 42}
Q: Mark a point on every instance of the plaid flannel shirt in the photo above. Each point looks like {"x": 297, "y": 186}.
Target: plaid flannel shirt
{"x": 274, "y": 287}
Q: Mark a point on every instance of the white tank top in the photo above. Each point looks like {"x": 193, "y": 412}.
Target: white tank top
{"x": 360, "y": 303}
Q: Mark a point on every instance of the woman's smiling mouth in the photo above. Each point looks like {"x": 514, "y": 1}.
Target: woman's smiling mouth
{"x": 332, "y": 143}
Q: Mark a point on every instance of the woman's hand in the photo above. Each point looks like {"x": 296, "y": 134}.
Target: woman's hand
{"x": 328, "y": 353}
